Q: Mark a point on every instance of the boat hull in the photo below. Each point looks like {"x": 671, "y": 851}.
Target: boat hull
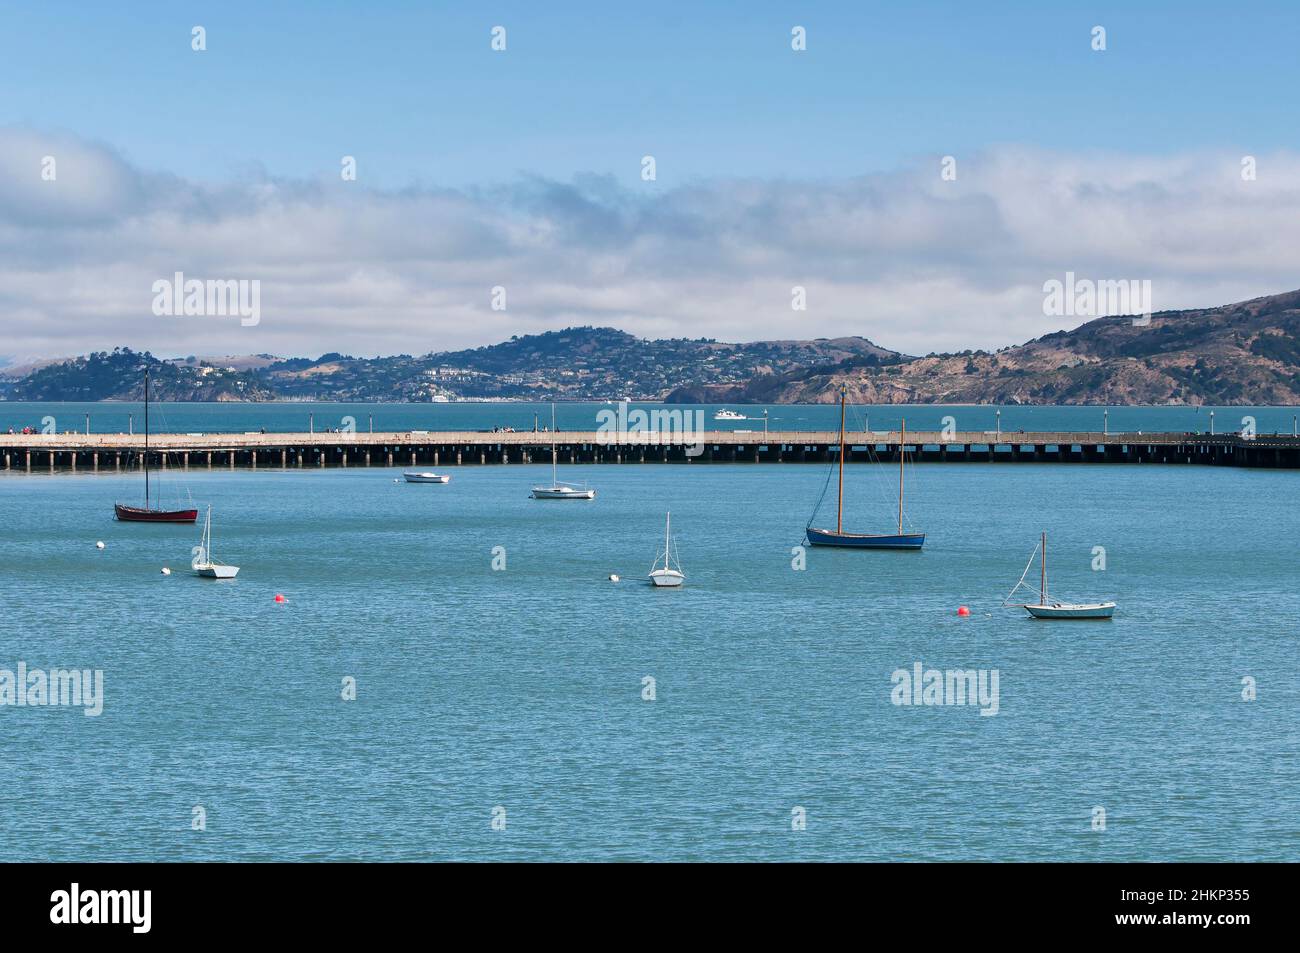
{"x": 138, "y": 514}
{"x": 561, "y": 493}
{"x": 826, "y": 537}
{"x": 217, "y": 572}
{"x": 667, "y": 578}
{"x": 427, "y": 478}
{"x": 1097, "y": 610}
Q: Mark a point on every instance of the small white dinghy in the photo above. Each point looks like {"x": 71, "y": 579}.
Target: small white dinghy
{"x": 203, "y": 564}
{"x": 1045, "y": 608}
{"x": 666, "y": 576}
{"x": 427, "y": 477}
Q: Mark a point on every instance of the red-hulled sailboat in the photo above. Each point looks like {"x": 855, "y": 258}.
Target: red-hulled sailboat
{"x": 146, "y": 513}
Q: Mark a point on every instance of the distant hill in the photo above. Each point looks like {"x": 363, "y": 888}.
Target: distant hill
{"x": 119, "y": 375}
{"x": 11, "y": 369}
{"x": 573, "y": 364}
{"x": 1246, "y": 353}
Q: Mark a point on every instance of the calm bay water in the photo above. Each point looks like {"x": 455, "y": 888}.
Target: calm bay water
{"x": 522, "y": 688}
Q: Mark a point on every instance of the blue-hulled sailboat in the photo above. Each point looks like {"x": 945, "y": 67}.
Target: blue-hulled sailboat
{"x": 837, "y": 537}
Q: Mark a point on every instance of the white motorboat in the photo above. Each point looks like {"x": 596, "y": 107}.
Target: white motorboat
{"x": 1046, "y": 608}
{"x": 666, "y": 576}
{"x": 729, "y": 415}
{"x": 427, "y": 477}
{"x": 203, "y": 564}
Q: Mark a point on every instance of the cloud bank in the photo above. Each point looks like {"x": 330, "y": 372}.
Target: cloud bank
{"x": 906, "y": 258}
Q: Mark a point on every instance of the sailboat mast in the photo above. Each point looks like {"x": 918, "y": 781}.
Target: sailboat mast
{"x": 839, "y": 509}
{"x": 902, "y": 440}
{"x": 554, "y": 479}
{"x": 1042, "y": 583}
{"x": 668, "y": 523}
{"x": 146, "y": 436}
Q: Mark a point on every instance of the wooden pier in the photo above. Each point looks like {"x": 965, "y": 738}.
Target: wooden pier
{"x": 28, "y": 453}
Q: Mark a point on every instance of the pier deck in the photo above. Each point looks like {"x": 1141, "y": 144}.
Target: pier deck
{"x": 99, "y": 452}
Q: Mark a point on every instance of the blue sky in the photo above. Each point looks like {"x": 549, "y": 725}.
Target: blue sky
{"x": 521, "y": 169}
{"x": 710, "y": 89}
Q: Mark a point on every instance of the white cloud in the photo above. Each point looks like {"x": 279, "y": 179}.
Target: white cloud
{"x": 904, "y": 258}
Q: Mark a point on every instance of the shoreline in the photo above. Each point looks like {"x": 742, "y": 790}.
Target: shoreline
{"x": 571, "y": 401}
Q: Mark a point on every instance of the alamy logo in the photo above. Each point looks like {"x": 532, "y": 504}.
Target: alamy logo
{"x": 179, "y": 296}
{"x": 75, "y": 905}
{"x": 655, "y": 427}
{"x": 1085, "y": 298}
{"x": 57, "y": 687}
{"x": 954, "y": 686}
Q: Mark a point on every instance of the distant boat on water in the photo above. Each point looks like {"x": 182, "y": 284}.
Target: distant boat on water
{"x": 427, "y": 477}
{"x": 562, "y": 492}
{"x": 1045, "y": 608}
{"x": 558, "y": 490}
{"x": 666, "y": 576}
{"x": 729, "y": 415}
{"x": 837, "y": 537}
{"x": 147, "y": 513}
{"x": 203, "y": 564}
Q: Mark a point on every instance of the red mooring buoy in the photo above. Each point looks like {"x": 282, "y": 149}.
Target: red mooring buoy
{"x": 279, "y": 597}
{"x": 963, "y": 611}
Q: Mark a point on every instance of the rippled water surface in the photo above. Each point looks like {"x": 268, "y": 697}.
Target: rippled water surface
{"x": 522, "y": 688}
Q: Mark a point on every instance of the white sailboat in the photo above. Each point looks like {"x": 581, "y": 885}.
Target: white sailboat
{"x": 427, "y": 477}
{"x": 203, "y": 564}
{"x": 1046, "y": 608}
{"x": 666, "y": 575}
{"x": 558, "y": 490}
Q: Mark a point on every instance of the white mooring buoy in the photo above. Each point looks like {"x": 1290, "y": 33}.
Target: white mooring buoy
{"x": 613, "y": 577}
{"x": 166, "y": 571}
{"x": 100, "y": 544}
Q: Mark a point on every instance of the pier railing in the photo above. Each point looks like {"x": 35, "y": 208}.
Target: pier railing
{"x": 529, "y": 438}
